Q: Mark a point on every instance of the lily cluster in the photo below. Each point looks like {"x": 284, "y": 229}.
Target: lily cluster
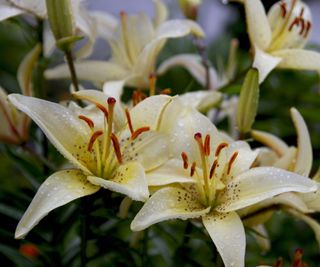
{"x": 160, "y": 149}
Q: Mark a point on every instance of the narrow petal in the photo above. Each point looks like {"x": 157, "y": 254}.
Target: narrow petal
{"x": 257, "y": 22}
{"x": 59, "y": 189}
{"x": 170, "y": 172}
{"x": 149, "y": 112}
{"x": 261, "y": 183}
{"x": 97, "y": 97}
{"x": 49, "y": 42}
{"x": 90, "y": 70}
{"x": 271, "y": 141}
{"x": 62, "y": 126}
{"x": 36, "y": 7}
{"x": 315, "y": 226}
{"x": 261, "y": 237}
{"x": 129, "y": 180}
{"x": 201, "y": 100}
{"x": 264, "y": 62}
{"x": 304, "y": 154}
{"x": 287, "y": 161}
{"x": 114, "y": 89}
{"x": 312, "y": 200}
{"x": 105, "y": 23}
{"x": 298, "y": 59}
{"x": 166, "y": 204}
{"x": 193, "y": 64}
{"x": 227, "y": 233}
{"x": 26, "y": 69}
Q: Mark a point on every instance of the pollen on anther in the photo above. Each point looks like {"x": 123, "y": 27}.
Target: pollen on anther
{"x": 93, "y": 138}
{"x": 129, "y": 120}
{"x": 139, "y": 131}
{"x": 283, "y": 7}
{"x": 219, "y": 148}
{"x": 231, "y": 161}
{"x": 207, "y": 145}
{"x": 87, "y": 120}
{"x": 116, "y": 146}
{"x": 103, "y": 109}
{"x": 184, "y": 157}
{"x": 192, "y": 169}
{"x": 213, "y": 168}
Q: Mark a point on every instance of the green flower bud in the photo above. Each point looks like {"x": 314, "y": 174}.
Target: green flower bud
{"x": 190, "y": 8}
{"x": 248, "y": 102}
{"x": 61, "y": 22}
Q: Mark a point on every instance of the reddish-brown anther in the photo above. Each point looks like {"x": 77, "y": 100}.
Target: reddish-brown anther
{"x": 93, "y": 138}
{"x": 219, "y": 148}
{"x": 184, "y": 157}
{"x": 87, "y": 120}
{"x": 231, "y": 161}
{"x": 116, "y": 146}
{"x": 139, "y": 131}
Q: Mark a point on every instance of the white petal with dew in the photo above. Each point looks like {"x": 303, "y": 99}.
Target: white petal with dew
{"x": 61, "y": 125}
{"x": 259, "y": 184}
{"x": 298, "y": 59}
{"x": 170, "y": 172}
{"x": 129, "y": 180}
{"x": 26, "y": 69}
{"x": 201, "y": 100}
{"x": 90, "y": 70}
{"x": 287, "y": 161}
{"x": 257, "y": 22}
{"x": 59, "y": 189}
{"x": 304, "y": 154}
{"x": 271, "y": 141}
{"x": 166, "y": 204}
{"x": 264, "y": 62}
{"x": 227, "y": 233}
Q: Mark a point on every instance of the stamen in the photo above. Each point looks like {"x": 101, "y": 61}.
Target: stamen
{"x": 198, "y": 138}
{"x": 139, "y": 131}
{"x": 283, "y": 7}
{"x": 192, "y": 169}
{"x": 231, "y": 161}
{"x": 104, "y": 110}
{"x": 87, "y": 120}
{"x": 302, "y": 26}
{"x": 129, "y": 121}
{"x": 152, "y": 81}
{"x": 137, "y": 97}
{"x": 207, "y": 145}
{"x": 93, "y": 138}
{"x": 301, "y": 12}
{"x": 296, "y": 21}
{"x": 166, "y": 91}
{"x": 219, "y": 148}
{"x": 184, "y": 157}
{"x": 213, "y": 168}
{"x": 308, "y": 28}
{"x": 116, "y": 146}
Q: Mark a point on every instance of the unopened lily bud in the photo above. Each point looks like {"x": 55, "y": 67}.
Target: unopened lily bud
{"x": 190, "y": 8}
{"x": 248, "y": 101}
{"x": 290, "y": 22}
{"x": 61, "y": 21}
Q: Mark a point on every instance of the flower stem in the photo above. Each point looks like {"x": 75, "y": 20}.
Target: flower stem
{"x": 72, "y": 69}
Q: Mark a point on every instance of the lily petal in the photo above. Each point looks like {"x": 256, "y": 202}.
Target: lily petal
{"x": 287, "y": 161}
{"x": 304, "y": 156}
{"x": 312, "y": 200}
{"x": 193, "y": 64}
{"x": 149, "y": 112}
{"x": 105, "y": 23}
{"x": 114, "y": 89}
{"x": 170, "y": 172}
{"x": 26, "y": 69}
{"x": 243, "y": 190}
{"x": 63, "y": 128}
{"x": 161, "y": 12}
{"x": 271, "y": 141}
{"x": 264, "y": 62}
{"x": 298, "y": 59}
{"x": 261, "y": 236}
{"x": 227, "y": 233}
{"x": 59, "y": 189}
{"x": 165, "y": 204}
{"x": 7, "y": 11}
{"x": 129, "y": 180}
{"x": 257, "y": 22}
{"x": 90, "y": 70}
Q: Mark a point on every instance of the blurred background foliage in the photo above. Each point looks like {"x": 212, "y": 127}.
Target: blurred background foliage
{"x": 110, "y": 242}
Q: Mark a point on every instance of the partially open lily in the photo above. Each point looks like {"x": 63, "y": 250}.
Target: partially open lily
{"x": 103, "y": 154}
{"x": 14, "y": 124}
{"x": 279, "y": 37}
{"x": 215, "y": 182}
{"x": 296, "y": 159}
{"x": 135, "y": 44}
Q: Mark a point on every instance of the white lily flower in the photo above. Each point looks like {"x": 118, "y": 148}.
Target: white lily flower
{"x": 135, "y": 44}
{"x": 104, "y": 152}
{"x": 215, "y": 181}
{"x": 278, "y": 37}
